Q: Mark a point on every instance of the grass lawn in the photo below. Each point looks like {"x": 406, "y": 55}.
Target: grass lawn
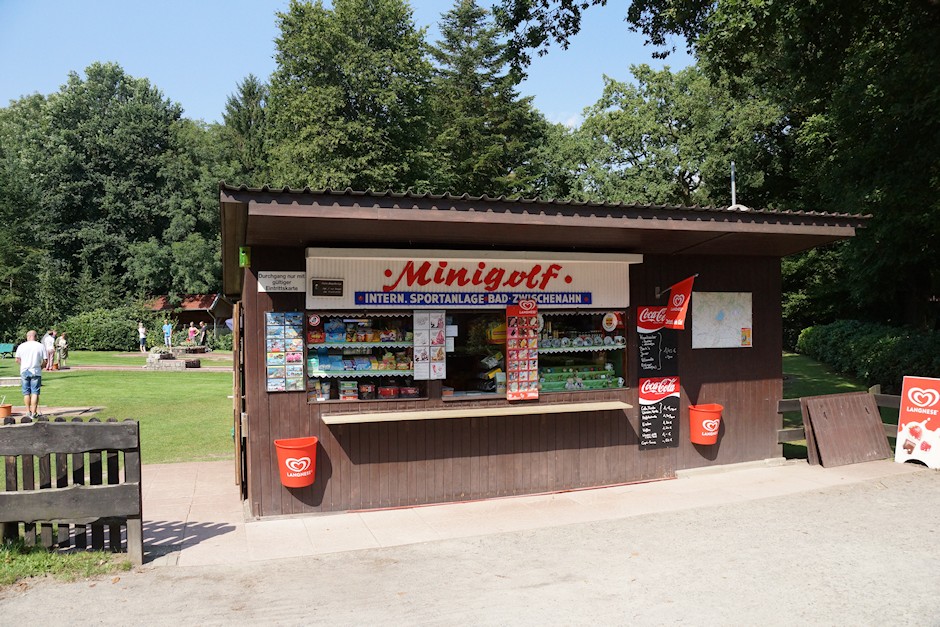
{"x": 184, "y": 416}
{"x": 803, "y": 376}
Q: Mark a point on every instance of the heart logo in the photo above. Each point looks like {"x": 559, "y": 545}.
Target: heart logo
{"x": 677, "y": 300}
{"x": 922, "y": 397}
{"x": 297, "y": 464}
{"x": 710, "y": 425}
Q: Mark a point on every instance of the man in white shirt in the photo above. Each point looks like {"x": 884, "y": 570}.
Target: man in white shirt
{"x": 31, "y": 355}
{"x": 48, "y": 342}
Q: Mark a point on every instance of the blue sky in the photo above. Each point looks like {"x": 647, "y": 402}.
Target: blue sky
{"x": 197, "y": 51}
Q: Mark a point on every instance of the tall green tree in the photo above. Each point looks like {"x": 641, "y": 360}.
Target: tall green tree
{"x": 245, "y": 125}
{"x": 485, "y": 133}
{"x": 857, "y": 87}
{"x": 348, "y": 99}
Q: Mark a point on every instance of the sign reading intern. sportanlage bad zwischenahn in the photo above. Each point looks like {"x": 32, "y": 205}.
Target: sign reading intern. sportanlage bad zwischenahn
{"x": 658, "y": 379}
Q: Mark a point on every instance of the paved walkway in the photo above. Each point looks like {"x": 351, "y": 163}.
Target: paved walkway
{"x": 193, "y": 516}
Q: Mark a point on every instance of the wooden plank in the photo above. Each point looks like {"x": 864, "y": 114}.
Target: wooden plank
{"x": 135, "y": 532}
{"x": 475, "y": 412}
{"x": 797, "y": 434}
{"x": 847, "y": 428}
{"x": 812, "y": 451}
{"x": 95, "y": 479}
{"x": 78, "y": 504}
{"x": 113, "y": 478}
{"x": 43, "y": 438}
{"x": 78, "y": 478}
{"x": 45, "y": 483}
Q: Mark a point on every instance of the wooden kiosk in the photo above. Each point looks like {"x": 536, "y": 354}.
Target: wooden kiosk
{"x": 388, "y": 326}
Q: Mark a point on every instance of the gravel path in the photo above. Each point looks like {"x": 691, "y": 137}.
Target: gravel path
{"x": 863, "y": 554}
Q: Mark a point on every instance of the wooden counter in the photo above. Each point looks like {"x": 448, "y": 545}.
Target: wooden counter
{"x": 475, "y": 412}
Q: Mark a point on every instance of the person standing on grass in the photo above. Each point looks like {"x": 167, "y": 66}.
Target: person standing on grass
{"x": 62, "y": 349}
{"x": 142, "y": 333}
{"x": 31, "y": 355}
{"x": 167, "y": 332}
{"x": 48, "y": 342}
{"x": 191, "y": 332}
{"x": 203, "y": 336}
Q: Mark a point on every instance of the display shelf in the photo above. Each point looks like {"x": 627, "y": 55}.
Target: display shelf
{"x": 336, "y": 345}
{"x": 581, "y": 349}
{"x": 338, "y": 374}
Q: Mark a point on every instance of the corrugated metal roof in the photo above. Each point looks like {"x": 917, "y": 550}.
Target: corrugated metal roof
{"x": 556, "y": 202}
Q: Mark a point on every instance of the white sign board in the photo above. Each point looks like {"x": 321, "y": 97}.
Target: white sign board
{"x": 430, "y": 279}
{"x": 282, "y": 282}
{"x": 721, "y": 320}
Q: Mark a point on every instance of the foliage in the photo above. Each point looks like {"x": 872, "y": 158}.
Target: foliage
{"x": 484, "y": 132}
{"x": 348, "y": 101}
{"x": 221, "y": 342}
{"x": 857, "y": 130}
{"x": 103, "y": 188}
{"x": 815, "y": 290}
{"x": 873, "y": 353}
{"x": 670, "y": 138}
{"x": 245, "y": 131}
{"x": 18, "y": 561}
{"x": 109, "y": 329}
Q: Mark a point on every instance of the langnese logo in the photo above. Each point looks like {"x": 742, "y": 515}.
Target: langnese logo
{"x": 678, "y": 300}
{"x": 923, "y": 397}
{"x": 298, "y": 466}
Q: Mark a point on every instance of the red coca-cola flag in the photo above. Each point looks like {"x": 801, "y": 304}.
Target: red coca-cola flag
{"x": 679, "y": 296}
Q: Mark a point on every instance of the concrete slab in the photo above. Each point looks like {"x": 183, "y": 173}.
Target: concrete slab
{"x": 193, "y": 515}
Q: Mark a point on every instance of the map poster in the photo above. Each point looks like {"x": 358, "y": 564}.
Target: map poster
{"x": 659, "y": 413}
{"x": 919, "y": 422}
{"x": 722, "y": 320}
{"x": 657, "y": 346}
{"x": 522, "y": 351}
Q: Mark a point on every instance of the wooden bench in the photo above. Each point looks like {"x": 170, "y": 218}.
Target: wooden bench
{"x": 6, "y": 350}
{"x": 63, "y": 484}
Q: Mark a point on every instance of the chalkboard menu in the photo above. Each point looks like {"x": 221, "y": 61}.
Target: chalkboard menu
{"x": 658, "y": 369}
{"x": 659, "y": 413}
{"x": 657, "y": 346}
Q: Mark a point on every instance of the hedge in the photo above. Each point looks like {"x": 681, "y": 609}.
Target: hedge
{"x": 872, "y": 353}
{"x": 113, "y": 329}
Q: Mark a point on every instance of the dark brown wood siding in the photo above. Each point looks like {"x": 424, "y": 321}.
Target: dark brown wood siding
{"x": 363, "y": 466}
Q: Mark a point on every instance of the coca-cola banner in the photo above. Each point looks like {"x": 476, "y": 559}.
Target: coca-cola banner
{"x": 678, "y": 307}
{"x": 657, "y": 346}
{"x": 659, "y": 413}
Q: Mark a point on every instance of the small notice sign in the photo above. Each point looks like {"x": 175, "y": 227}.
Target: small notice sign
{"x": 326, "y": 287}
{"x": 919, "y": 422}
{"x": 281, "y": 281}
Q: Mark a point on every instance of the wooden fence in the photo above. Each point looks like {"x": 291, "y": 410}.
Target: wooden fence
{"x": 793, "y": 404}
{"x": 64, "y": 487}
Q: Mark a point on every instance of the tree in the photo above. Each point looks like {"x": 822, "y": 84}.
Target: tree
{"x": 348, "y": 99}
{"x": 484, "y": 132}
{"x": 245, "y": 133}
{"x": 856, "y": 84}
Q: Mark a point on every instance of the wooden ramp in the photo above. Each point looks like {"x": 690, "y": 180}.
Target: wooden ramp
{"x": 843, "y": 429}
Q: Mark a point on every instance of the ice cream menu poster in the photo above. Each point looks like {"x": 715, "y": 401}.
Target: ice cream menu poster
{"x": 919, "y": 422}
{"x": 430, "y": 358}
{"x": 284, "y": 351}
{"x": 522, "y": 351}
